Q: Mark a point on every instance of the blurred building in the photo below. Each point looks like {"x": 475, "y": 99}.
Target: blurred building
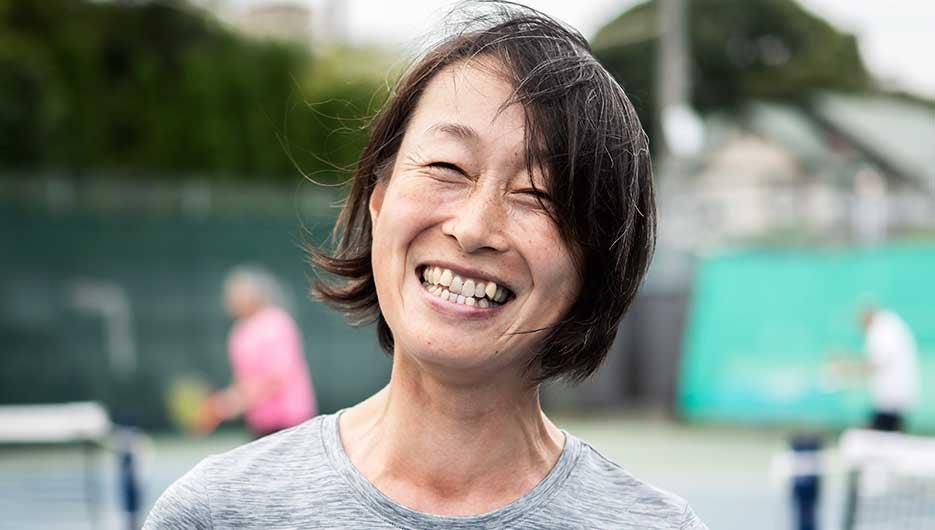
{"x": 284, "y": 21}
{"x": 307, "y": 24}
{"x": 843, "y": 168}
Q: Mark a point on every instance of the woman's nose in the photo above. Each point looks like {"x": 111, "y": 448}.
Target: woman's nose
{"x": 478, "y": 222}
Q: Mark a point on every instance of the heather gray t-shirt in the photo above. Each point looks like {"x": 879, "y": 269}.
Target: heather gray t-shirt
{"x": 302, "y": 479}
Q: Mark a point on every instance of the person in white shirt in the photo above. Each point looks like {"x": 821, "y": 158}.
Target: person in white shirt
{"x": 890, "y": 365}
{"x": 893, "y": 360}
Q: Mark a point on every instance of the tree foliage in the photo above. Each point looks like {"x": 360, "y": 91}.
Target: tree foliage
{"x": 740, "y": 50}
{"x": 159, "y": 88}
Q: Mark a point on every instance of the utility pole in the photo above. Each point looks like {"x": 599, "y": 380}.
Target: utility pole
{"x": 679, "y": 130}
{"x": 680, "y": 127}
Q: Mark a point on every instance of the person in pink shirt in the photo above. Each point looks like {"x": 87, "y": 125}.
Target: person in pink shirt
{"x": 272, "y": 387}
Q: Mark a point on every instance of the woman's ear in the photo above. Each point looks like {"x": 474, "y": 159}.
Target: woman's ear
{"x": 376, "y": 200}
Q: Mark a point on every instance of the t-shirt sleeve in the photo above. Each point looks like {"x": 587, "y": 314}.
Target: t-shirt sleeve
{"x": 691, "y": 521}
{"x": 183, "y": 506}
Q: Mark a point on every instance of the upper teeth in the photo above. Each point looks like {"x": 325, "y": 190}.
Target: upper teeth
{"x": 446, "y": 284}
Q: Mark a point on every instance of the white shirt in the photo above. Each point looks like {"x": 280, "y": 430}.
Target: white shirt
{"x": 891, "y": 350}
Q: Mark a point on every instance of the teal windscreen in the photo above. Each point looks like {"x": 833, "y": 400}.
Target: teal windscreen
{"x": 764, "y": 325}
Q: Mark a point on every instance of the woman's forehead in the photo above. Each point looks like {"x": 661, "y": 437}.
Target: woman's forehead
{"x": 470, "y": 101}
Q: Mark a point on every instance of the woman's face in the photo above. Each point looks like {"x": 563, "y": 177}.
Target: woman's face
{"x": 458, "y": 214}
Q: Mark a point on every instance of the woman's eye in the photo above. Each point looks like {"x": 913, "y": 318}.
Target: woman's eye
{"x": 536, "y": 198}
{"x": 447, "y": 166}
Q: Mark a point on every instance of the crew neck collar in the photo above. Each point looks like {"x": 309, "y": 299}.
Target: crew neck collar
{"x": 402, "y": 516}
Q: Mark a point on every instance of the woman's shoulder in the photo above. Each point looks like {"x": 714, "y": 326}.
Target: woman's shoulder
{"x": 270, "y": 320}
{"x": 594, "y": 467}
{"x": 278, "y": 462}
{"x": 285, "y": 449}
{"x": 610, "y": 494}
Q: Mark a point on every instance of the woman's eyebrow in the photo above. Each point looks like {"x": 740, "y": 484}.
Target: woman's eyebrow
{"x": 458, "y": 130}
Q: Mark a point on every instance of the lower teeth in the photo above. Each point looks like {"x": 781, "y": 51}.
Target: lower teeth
{"x": 443, "y": 293}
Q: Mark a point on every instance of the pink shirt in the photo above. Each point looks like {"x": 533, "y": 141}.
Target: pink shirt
{"x": 268, "y": 344}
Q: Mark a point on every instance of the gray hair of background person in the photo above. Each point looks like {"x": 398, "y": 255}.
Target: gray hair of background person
{"x": 581, "y": 131}
{"x": 264, "y": 284}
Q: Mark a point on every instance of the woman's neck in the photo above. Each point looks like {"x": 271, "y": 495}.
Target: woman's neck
{"x": 451, "y": 449}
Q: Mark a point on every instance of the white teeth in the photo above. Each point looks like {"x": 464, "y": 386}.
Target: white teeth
{"x": 470, "y": 300}
{"x": 447, "y": 285}
{"x": 483, "y": 303}
{"x": 490, "y": 290}
{"x": 445, "y": 278}
{"x": 467, "y": 289}
{"x": 460, "y": 299}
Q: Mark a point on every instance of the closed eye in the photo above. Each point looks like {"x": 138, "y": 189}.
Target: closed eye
{"x": 536, "y": 194}
{"x": 447, "y": 166}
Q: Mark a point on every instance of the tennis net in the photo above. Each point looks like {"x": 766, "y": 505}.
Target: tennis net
{"x": 890, "y": 481}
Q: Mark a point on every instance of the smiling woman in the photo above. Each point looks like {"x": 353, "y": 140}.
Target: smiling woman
{"x": 499, "y": 224}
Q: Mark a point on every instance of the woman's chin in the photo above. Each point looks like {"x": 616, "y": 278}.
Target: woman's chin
{"x": 453, "y": 359}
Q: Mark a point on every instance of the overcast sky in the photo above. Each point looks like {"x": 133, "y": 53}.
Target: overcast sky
{"x": 897, "y": 37}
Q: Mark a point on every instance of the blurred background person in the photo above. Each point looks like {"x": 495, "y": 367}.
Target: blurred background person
{"x": 272, "y": 388}
{"x": 891, "y": 367}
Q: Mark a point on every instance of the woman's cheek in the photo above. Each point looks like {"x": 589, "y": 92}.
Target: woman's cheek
{"x": 540, "y": 232}
{"x": 548, "y": 251}
{"x": 431, "y": 205}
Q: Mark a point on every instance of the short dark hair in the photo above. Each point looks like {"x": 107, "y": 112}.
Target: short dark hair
{"x": 581, "y": 132}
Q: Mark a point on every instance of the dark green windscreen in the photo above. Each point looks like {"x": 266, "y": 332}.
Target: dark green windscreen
{"x": 171, "y": 269}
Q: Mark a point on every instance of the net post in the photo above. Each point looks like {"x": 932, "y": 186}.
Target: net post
{"x": 850, "y": 499}
{"x": 92, "y": 494}
{"x": 128, "y": 442}
{"x": 806, "y": 480}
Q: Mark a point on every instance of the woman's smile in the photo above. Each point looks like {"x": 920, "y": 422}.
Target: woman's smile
{"x": 461, "y": 291}
{"x": 467, "y": 288}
